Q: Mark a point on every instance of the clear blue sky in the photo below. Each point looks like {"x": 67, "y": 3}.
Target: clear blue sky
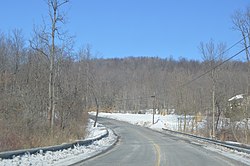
{"x": 120, "y": 28}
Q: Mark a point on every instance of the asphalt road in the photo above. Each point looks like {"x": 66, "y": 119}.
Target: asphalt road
{"x": 140, "y": 146}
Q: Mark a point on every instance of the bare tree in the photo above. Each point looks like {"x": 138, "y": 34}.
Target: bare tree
{"x": 45, "y": 43}
{"x": 241, "y": 22}
{"x": 212, "y": 54}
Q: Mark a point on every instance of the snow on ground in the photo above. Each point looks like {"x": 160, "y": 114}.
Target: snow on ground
{"x": 170, "y": 122}
{"x": 67, "y": 156}
{"x": 233, "y": 154}
{"x": 93, "y": 132}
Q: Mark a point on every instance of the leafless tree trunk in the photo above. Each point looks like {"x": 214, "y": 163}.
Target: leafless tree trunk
{"x": 48, "y": 39}
{"x": 97, "y": 111}
{"x": 241, "y": 21}
{"x": 213, "y": 103}
{"x": 210, "y": 54}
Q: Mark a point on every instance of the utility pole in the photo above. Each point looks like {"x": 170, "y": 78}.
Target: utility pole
{"x": 248, "y": 94}
{"x": 97, "y": 110}
{"x": 213, "y": 105}
{"x": 153, "y": 108}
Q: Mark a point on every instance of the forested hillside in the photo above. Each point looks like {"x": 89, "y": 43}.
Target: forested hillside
{"x": 125, "y": 84}
{"x": 186, "y": 87}
{"x": 47, "y": 88}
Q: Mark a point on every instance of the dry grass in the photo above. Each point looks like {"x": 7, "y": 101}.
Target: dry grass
{"x": 24, "y": 133}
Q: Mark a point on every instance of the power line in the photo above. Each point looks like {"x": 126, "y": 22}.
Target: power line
{"x": 216, "y": 66}
{"x": 187, "y": 83}
{"x": 229, "y": 48}
{"x": 130, "y": 99}
{"x": 196, "y": 78}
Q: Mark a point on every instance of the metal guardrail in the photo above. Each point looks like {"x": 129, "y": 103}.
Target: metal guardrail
{"x": 12, "y": 154}
{"x": 239, "y": 147}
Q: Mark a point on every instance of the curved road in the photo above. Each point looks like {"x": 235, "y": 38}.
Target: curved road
{"x": 140, "y": 146}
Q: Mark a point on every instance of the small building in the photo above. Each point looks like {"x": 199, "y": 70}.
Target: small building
{"x": 237, "y": 106}
{"x": 236, "y": 101}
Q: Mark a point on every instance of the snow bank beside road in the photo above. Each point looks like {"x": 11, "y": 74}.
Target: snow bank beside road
{"x": 67, "y": 156}
{"x": 168, "y": 121}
